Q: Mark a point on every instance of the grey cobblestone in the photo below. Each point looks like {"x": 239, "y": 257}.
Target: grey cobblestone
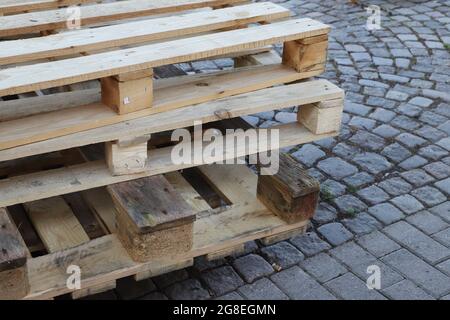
{"x": 282, "y": 255}
{"x": 190, "y": 289}
{"x": 337, "y": 168}
{"x": 362, "y": 224}
{"x": 252, "y": 267}
{"x": 377, "y": 244}
{"x": 310, "y": 244}
{"x": 373, "y": 195}
{"x": 300, "y": 286}
{"x": 442, "y": 210}
{"x": 417, "y": 242}
{"x": 386, "y": 213}
{"x": 323, "y": 267}
{"x": 358, "y": 260}
{"x": 443, "y": 237}
{"x": 222, "y": 280}
{"x": 335, "y": 233}
{"x": 418, "y": 271}
{"x": 427, "y": 222}
{"x": 263, "y": 289}
{"x": 349, "y": 287}
{"x": 406, "y": 290}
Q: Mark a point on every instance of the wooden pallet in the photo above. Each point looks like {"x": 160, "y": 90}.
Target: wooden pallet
{"x": 128, "y": 91}
{"x": 81, "y": 230}
{"x": 112, "y": 86}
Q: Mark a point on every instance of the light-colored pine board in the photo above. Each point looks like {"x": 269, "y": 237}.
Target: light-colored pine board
{"x": 264, "y": 58}
{"x": 96, "y": 174}
{"x": 236, "y": 106}
{"x": 187, "y": 192}
{"x": 86, "y": 40}
{"x": 93, "y": 14}
{"x": 108, "y": 260}
{"x": 57, "y": 73}
{"x": 56, "y": 224}
{"x": 59, "y": 230}
{"x": 24, "y": 107}
{"x": 99, "y": 201}
{"x": 237, "y": 188}
{"x": 169, "y": 95}
{"x": 19, "y": 6}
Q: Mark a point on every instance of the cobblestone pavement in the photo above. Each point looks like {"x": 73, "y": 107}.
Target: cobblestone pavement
{"x": 385, "y": 179}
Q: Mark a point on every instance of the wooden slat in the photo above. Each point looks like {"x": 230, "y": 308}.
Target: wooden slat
{"x": 56, "y": 224}
{"x": 56, "y": 19}
{"x": 99, "y": 201}
{"x": 169, "y": 95}
{"x": 60, "y": 230}
{"x": 13, "y": 252}
{"x": 108, "y": 260}
{"x": 23, "y": 223}
{"x": 96, "y": 174}
{"x": 84, "y": 215}
{"x": 63, "y": 72}
{"x": 85, "y": 93}
{"x": 236, "y": 188}
{"x": 187, "y": 191}
{"x": 18, "y": 6}
{"x": 18, "y": 108}
{"x": 137, "y": 32}
{"x": 258, "y": 101}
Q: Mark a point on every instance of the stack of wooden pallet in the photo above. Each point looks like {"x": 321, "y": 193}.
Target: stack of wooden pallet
{"x": 129, "y": 210}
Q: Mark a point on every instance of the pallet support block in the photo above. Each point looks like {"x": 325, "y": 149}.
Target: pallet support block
{"x": 309, "y": 54}
{"x": 163, "y": 268}
{"x": 322, "y": 117}
{"x": 290, "y": 193}
{"x": 127, "y": 156}
{"x": 153, "y": 220}
{"x": 267, "y": 241}
{"x": 13, "y": 260}
{"x": 128, "y": 92}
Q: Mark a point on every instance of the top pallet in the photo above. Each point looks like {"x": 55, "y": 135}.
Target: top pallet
{"x": 122, "y": 55}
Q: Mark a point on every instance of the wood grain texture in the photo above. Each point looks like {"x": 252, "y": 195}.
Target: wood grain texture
{"x": 88, "y": 40}
{"x": 56, "y": 224}
{"x": 57, "y": 19}
{"x": 96, "y": 174}
{"x": 151, "y": 204}
{"x": 170, "y": 94}
{"x": 105, "y": 259}
{"x": 57, "y": 73}
{"x": 239, "y": 105}
{"x": 18, "y": 6}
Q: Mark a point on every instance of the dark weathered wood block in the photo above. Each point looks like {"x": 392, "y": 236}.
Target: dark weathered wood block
{"x": 153, "y": 220}
{"x": 291, "y": 193}
{"x": 13, "y": 260}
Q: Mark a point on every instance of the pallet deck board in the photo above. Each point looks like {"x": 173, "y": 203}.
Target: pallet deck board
{"x": 57, "y": 73}
{"x": 137, "y": 32}
{"x": 239, "y": 105}
{"x": 169, "y": 94}
{"x": 56, "y": 224}
{"x": 104, "y": 259}
{"x": 93, "y": 14}
{"x": 96, "y": 174}
{"x": 18, "y": 6}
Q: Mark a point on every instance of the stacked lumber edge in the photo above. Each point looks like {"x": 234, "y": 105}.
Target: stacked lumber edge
{"x": 86, "y": 176}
